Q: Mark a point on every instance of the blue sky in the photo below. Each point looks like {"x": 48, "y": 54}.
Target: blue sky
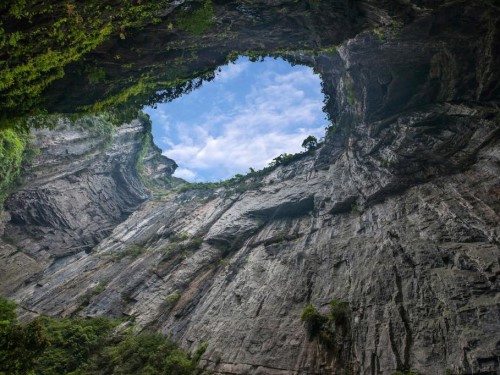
{"x": 249, "y": 114}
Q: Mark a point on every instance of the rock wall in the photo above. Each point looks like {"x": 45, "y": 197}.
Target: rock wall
{"x": 397, "y": 214}
{"x": 81, "y": 184}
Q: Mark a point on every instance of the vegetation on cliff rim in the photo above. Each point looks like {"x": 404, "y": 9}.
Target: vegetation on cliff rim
{"x": 240, "y": 183}
{"x": 78, "y": 346}
{"x": 38, "y": 39}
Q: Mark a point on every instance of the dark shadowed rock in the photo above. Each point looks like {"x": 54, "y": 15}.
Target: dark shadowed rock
{"x": 397, "y": 214}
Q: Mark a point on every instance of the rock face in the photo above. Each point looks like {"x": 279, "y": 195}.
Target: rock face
{"x": 397, "y": 214}
{"x": 81, "y": 185}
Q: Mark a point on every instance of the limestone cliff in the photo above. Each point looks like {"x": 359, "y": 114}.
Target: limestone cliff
{"x": 83, "y": 182}
{"x": 396, "y": 214}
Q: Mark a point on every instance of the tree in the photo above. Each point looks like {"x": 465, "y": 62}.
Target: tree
{"x": 310, "y": 143}
{"x": 20, "y": 345}
{"x": 281, "y": 159}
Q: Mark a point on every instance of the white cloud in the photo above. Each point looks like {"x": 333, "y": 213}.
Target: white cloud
{"x": 274, "y": 117}
{"x": 231, "y": 71}
{"x": 185, "y": 174}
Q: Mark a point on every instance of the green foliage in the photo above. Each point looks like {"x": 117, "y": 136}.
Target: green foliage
{"x": 331, "y": 129}
{"x": 72, "y": 342}
{"x": 146, "y": 143}
{"x": 180, "y": 244}
{"x": 49, "y": 346}
{"x": 313, "y": 320}
{"x": 240, "y": 183}
{"x": 339, "y": 312}
{"x": 351, "y": 94}
{"x": 385, "y": 163}
{"x": 132, "y": 251}
{"x": 12, "y": 153}
{"x": 390, "y": 31}
{"x": 20, "y": 345}
{"x": 195, "y": 243}
{"x": 7, "y": 311}
{"x": 310, "y": 143}
{"x": 85, "y": 299}
{"x": 380, "y": 34}
{"x": 157, "y": 186}
{"x": 146, "y": 353}
{"x": 173, "y": 297}
{"x": 100, "y": 126}
{"x": 223, "y": 262}
{"x": 101, "y": 287}
{"x": 235, "y": 184}
{"x": 179, "y": 237}
{"x": 149, "y": 89}
{"x": 282, "y": 159}
{"x": 331, "y": 50}
{"x": 356, "y": 208}
{"x": 199, "y": 351}
{"x": 197, "y": 21}
{"x": 326, "y": 327}
{"x": 39, "y": 39}
{"x": 96, "y": 75}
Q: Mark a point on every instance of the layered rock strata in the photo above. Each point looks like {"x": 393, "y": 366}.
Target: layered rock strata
{"x": 397, "y": 214}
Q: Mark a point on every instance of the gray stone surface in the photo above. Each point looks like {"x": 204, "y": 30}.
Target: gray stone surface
{"x": 396, "y": 214}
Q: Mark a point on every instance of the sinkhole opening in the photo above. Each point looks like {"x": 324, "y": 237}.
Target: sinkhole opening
{"x": 243, "y": 119}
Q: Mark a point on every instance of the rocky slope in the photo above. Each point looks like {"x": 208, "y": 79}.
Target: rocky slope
{"x": 396, "y": 214}
{"x": 82, "y": 183}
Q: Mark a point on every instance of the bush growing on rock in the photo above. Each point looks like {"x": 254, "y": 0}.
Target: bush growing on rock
{"x": 339, "y": 312}
{"x": 310, "y": 143}
{"x": 313, "y": 320}
{"x": 326, "y": 327}
{"x": 49, "y": 346}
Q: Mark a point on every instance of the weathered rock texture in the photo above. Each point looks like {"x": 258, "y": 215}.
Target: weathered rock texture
{"x": 143, "y": 66}
{"x": 81, "y": 185}
{"x": 397, "y": 214}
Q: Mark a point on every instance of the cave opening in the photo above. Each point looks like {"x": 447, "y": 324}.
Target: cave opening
{"x": 249, "y": 114}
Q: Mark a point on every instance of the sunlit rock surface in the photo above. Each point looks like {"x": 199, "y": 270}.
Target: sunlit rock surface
{"x": 397, "y": 214}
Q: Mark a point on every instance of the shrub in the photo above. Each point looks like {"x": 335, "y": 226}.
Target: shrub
{"x": 147, "y": 353}
{"x": 324, "y": 327}
{"x": 49, "y": 346}
{"x": 310, "y": 143}
{"x": 182, "y": 244}
{"x": 173, "y": 297}
{"x": 72, "y": 342}
{"x": 339, "y": 312}
{"x": 179, "y": 237}
{"x": 12, "y": 146}
{"x": 313, "y": 320}
{"x": 133, "y": 251}
{"x": 199, "y": 351}
{"x": 20, "y": 345}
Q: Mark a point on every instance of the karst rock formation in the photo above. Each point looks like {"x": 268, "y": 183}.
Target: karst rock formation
{"x": 397, "y": 213}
